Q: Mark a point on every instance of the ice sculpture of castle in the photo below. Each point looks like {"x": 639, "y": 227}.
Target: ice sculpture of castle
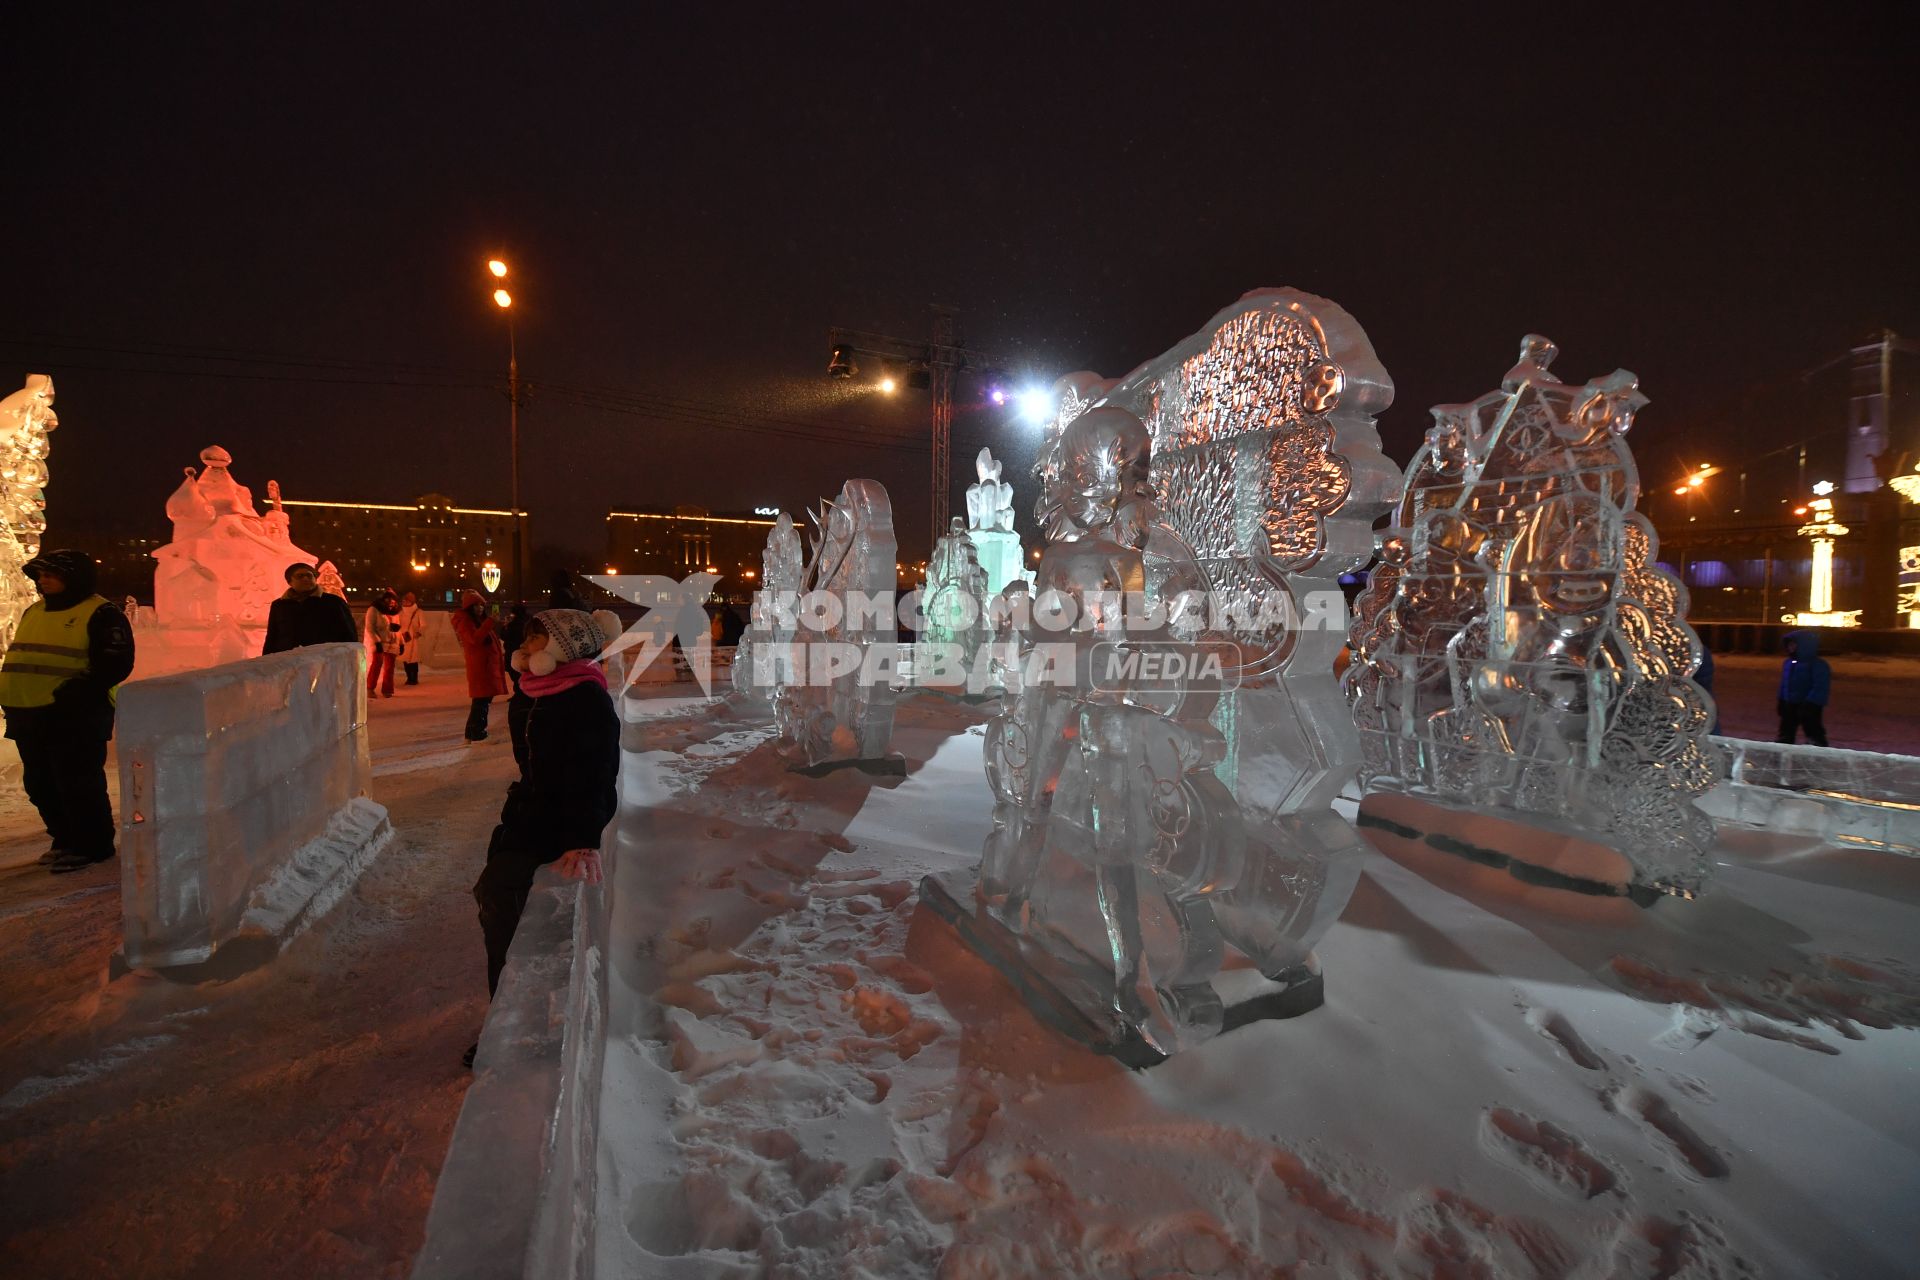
{"x": 1198, "y": 514}
{"x": 26, "y": 417}
{"x": 1521, "y": 671}
{"x": 214, "y": 583}
{"x": 990, "y": 526}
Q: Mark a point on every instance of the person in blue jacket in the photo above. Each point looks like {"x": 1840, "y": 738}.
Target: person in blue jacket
{"x": 1805, "y": 683}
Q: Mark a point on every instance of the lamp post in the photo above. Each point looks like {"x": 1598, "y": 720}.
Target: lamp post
{"x": 504, "y": 300}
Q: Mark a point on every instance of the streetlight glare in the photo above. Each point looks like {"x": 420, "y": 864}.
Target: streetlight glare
{"x": 502, "y": 299}
{"x": 1036, "y": 405}
{"x": 498, "y": 268}
{"x": 887, "y": 385}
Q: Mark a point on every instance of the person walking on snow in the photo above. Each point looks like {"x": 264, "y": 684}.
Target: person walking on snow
{"x": 306, "y": 615}
{"x": 1805, "y": 684}
{"x": 560, "y": 809}
{"x": 486, "y": 672}
{"x": 383, "y": 638}
{"x": 70, "y": 652}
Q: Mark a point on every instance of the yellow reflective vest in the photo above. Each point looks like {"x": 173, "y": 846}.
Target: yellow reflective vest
{"x": 48, "y": 650}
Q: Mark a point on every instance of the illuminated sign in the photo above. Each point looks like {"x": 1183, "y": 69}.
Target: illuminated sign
{"x": 766, "y": 511}
{"x": 490, "y": 577}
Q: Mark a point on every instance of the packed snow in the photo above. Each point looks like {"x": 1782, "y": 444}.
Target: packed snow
{"x": 808, "y": 1075}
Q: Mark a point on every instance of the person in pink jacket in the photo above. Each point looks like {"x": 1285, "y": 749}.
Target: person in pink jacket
{"x": 479, "y": 638}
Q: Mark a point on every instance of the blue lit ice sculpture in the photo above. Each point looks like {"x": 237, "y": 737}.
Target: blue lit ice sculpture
{"x": 1521, "y": 671}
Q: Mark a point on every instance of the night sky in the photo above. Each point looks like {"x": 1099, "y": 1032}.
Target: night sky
{"x": 268, "y": 232}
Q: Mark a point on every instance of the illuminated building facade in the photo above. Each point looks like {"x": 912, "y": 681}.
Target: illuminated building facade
{"x": 431, "y": 547}
{"x": 682, "y": 540}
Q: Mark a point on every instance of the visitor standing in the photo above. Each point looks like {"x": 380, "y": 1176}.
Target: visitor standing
{"x": 560, "y": 809}
{"x": 486, "y": 671}
{"x": 411, "y": 623}
{"x": 69, "y": 653}
{"x": 1805, "y": 684}
{"x": 383, "y": 638}
{"x": 306, "y": 614}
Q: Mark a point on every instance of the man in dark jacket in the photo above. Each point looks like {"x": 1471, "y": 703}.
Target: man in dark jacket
{"x": 69, "y": 653}
{"x": 560, "y": 809}
{"x": 307, "y": 615}
{"x": 1805, "y": 684}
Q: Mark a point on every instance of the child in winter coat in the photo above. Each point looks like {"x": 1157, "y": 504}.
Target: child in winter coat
{"x": 560, "y": 808}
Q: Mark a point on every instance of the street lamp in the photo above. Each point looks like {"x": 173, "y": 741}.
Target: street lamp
{"x": 504, "y": 300}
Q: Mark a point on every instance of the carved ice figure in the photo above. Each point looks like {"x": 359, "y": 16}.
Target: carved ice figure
{"x": 330, "y": 580}
{"x": 990, "y": 502}
{"x": 757, "y": 669}
{"x": 215, "y": 581}
{"x": 1199, "y": 511}
{"x": 1518, "y": 652}
{"x": 838, "y": 708}
{"x": 26, "y": 416}
{"x": 955, "y": 605}
{"x": 990, "y": 520}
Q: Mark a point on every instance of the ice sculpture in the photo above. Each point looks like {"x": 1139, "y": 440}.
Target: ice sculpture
{"x": 990, "y": 526}
{"x": 837, "y": 707}
{"x": 757, "y": 672}
{"x": 26, "y": 417}
{"x": 214, "y": 583}
{"x": 1521, "y": 667}
{"x": 330, "y": 580}
{"x": 955, "y": 605}
{"x": 1198, "y": 514}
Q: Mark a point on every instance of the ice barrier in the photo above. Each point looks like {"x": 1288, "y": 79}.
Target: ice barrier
{"x": 244, "y": 808}
{"x": 1842, "y": 797}
{"x": 521, "y": 1166}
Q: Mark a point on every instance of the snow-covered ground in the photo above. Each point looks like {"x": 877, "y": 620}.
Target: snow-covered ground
{"x": 809, "y": 1076}
{"x": 290, "y": 1122}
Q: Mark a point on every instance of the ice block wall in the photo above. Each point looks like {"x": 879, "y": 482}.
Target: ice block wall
{"x": 243, "y": 798}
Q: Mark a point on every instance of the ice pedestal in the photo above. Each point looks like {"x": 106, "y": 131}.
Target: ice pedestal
{"x": 243, "y": 800}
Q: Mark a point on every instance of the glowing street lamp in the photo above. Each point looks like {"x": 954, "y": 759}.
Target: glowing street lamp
{"x": 504, "y": 300}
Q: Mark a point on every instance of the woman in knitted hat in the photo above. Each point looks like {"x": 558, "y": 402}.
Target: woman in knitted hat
{"x": 560, "y": 808}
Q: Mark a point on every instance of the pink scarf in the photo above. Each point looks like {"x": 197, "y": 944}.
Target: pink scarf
{"x": 562, "y": 678}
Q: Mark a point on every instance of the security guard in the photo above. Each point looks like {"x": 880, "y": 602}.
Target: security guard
{"x": 57, "y": 684}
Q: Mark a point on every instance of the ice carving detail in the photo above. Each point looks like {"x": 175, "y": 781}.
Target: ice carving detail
{"x": 1517, "y": 649}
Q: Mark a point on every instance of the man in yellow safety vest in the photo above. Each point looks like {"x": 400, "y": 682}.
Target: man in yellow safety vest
{"x": 69, "y": 653}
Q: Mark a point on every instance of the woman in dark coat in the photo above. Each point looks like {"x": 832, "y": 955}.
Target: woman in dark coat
{"x": 560, "y": 809}
{"x": 486, "y": 672}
